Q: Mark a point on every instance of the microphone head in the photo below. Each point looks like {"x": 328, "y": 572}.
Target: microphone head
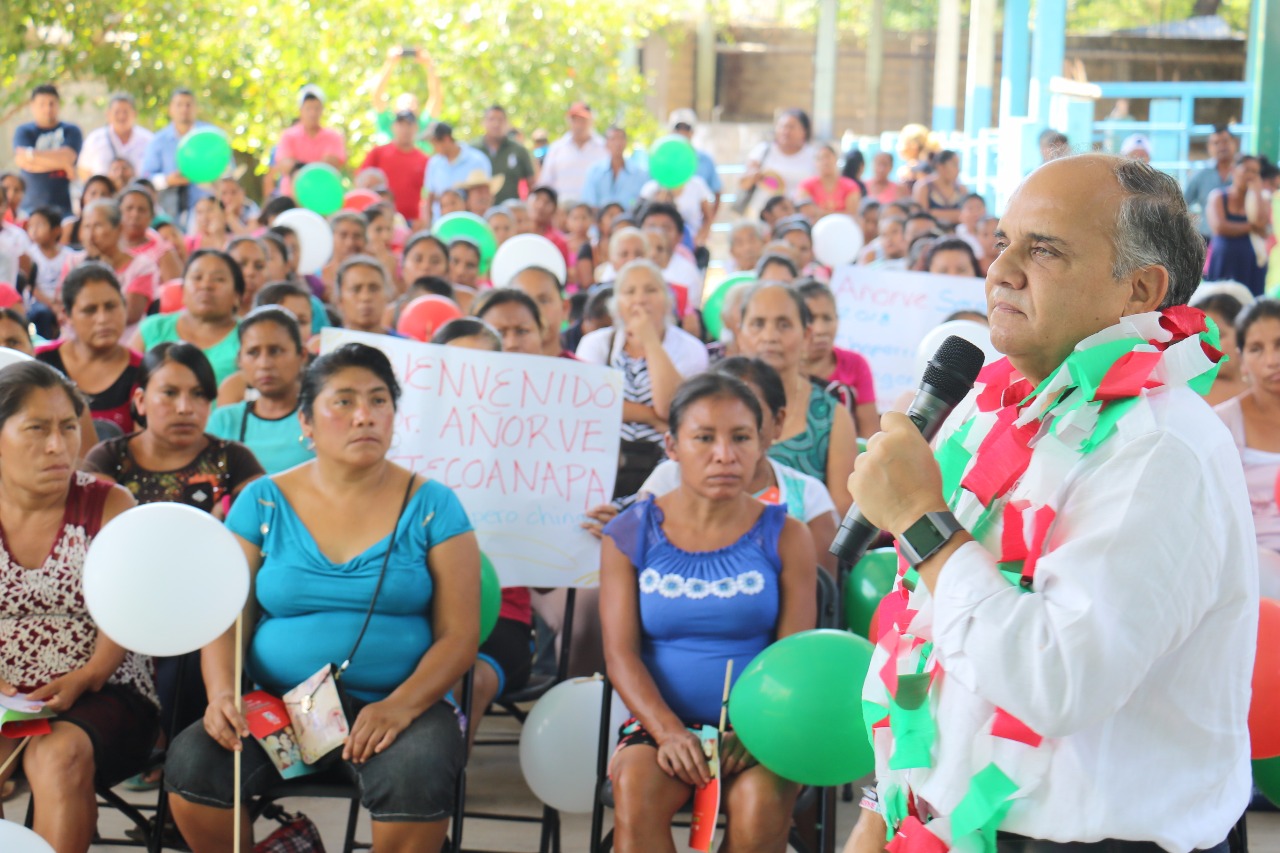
{"x": 953, "y": 369}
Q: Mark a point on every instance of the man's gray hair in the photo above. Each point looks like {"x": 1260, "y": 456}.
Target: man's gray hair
{"x": 1154, "y": 228}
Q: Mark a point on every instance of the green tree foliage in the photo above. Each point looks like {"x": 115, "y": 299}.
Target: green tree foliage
{"x": 246, "y": 59}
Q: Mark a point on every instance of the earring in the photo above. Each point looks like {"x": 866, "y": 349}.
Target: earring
{"x": 308, "y": 443}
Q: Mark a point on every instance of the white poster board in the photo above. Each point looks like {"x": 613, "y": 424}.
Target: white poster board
{"x": 527, "y": 442}
{"x": 884, "y": 314}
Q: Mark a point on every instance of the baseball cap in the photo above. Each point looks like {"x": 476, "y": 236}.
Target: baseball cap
{"x": 311, "y": 90}
{"x": 683, "y": 117}
{"x": 580, "y": 108}
{"x": 407, "y": 115}
{"x": 1133, "y": 142}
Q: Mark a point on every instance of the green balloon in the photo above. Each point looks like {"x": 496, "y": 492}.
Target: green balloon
{"x": 204, "y": 155}
{"x": 672, "y": 161}
{"x": 869, "y": 582}
{"x": 490, "y": 597}
{"x": 798, "y": 708}
{"x": 711, "y": 307}
{"x": 1266, "y": 775}
{"x": 461, "y": 225}
{"x": 318, "y": 187}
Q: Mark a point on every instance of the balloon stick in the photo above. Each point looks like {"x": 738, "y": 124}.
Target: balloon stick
{"x": 239, "y": 667}
{"x": 13, "y": 756}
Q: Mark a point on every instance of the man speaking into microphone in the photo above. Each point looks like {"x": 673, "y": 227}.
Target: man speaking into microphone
{"x": 1064, "y": 663}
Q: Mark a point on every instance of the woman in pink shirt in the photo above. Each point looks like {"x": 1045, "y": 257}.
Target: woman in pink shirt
{"x": 211, "y": 230}
{"x": 846, "y": 373}
{"x": 881, "y": 187}
{"x": 138, "y": 276}
{"x": 138, "y": 238}
{"x": 829, "y": 190}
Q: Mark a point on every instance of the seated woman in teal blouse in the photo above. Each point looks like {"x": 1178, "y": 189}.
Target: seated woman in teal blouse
{"x": 316, "y": 537}
{"x": 272, "y": 360}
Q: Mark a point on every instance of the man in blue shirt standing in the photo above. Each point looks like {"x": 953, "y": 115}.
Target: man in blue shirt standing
{"x": 46, "y": 150}
{"x": 614, "y": 180}
{"x": 160, "y": 163}
{"x": 452, "y": 164}
{"x": 682, "y": 122}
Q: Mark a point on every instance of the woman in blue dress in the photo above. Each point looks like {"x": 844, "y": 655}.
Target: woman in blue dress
{"x": 1232, "y": 256}
{"x": 700, "y": 577}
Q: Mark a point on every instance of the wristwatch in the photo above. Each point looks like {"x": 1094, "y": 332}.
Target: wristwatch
{"x": 926, "y": 537}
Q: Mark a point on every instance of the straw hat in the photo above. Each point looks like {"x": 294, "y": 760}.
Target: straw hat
{"x": 477, "y": 178}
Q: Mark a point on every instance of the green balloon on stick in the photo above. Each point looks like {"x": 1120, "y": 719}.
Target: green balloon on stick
{"x": 798, "y": 708}
{"x": 318, "y": 187}
{"x": 461, "y": 225}
{"x": 203, "y": 155}
{"x": 715, "y": 302}
{"x": 869, "y": 581}
{"x": 490, "y": 597}
{"x": 672, "y": 161}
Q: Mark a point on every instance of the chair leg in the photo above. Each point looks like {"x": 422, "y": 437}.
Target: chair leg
{"x": 353, "y": 817}
{"x": 459, "y": 810}
{"x": 156, "y": 841}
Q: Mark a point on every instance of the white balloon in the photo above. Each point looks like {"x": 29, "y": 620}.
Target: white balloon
{"x": 558, "y": 743}
{"x": 16, "y": 838}
{"x": 837, "y": 239}
{"x": 12, "y": 356}
{"x": 523, "y": 251}
{"x": 978, "y": 334}
{"x": 315, "y": 238}
{"x": 164, "y": 579}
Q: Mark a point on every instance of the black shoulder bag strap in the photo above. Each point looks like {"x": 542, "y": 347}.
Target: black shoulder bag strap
{"x": 408, "y": 491}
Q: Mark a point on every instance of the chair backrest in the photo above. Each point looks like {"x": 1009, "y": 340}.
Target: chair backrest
{"x": 828, "y": 600}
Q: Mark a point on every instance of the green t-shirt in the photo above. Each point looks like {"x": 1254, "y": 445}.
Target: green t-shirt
{"x": 159, "y": 328}
{"x": 385, "y": 119}
{"x": 277, "y": 443}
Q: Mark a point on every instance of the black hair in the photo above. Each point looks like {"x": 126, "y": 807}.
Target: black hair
{"x": 922, "y": 215}
{"x": 276, "y": 292}
{"x": 604, "y": 208}
{"x": 420, "y": 237}
{"x": 1266, "y": 169}
{"x": 18, "y": 380}
{"x": 802, "y": 117}
{"x": 275, "y": 207}
{"x": 867, "y": 205}
{"x": 271, "y": 237}
{"x": 946, "y": 155}
{"x": 771, "y": 204}
{"x": 811, "y": 288}
{"x": 96, "y": 179}
{"x": 49, "y": 214}
{"x": 135, "y": 189}
{"x": 1266, "y": 308}
{"x": 467, "y": 327}
{"x": 14, "y": 173}
{"x": 788, "y": 224}
{"x": 441, "y": 130}
{"x": 181, "y": 90}
{"x": 1245, "y": 158}
{"x": 1222, "y": 128}
{"x": 45, "y": 89}
{"x": 189, "y": 356}
{"x": 463, "y": 241}
{"x": 14, "y": 316}
{"x": 83, "y": 275}
{"x": 246, "y": 238}
{"x": 854, "y": 163}
{"x": 776, "y": 258}
{"x": 759, "y": 373}
{"x": 577, "y": 304}
{"x": 282, "y": 317}
{"x": 597, "y": 304}
{"x": 549, "y": 192}
{"x": 506, "y": 296}
{"x": 712, "y": 385}
{"x": 661, "y": 208}
{"x": 328, "y": 365}
{"x": 374, "y": 212}
{"x": 544, "y": 271}
{"x": 496, "y": 108}
{"x": 1049, "y": 136}
{"x": 951, "y": 244}
{"x": 353, "y": 216}
{"x": 433, "y": 284}
{"x": 972, "y": 196}
{"x": 802, "y": 307}
{"x": 1223, "y": 304}
{"x": 237, "y": 277}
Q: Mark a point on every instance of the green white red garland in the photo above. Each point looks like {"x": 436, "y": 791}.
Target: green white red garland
{"x": 1003, "y": 472}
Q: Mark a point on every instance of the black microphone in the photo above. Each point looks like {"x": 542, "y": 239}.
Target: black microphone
{"x": 947, "y": 380}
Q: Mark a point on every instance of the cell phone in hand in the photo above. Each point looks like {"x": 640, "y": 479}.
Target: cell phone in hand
{"x": 408, "y": 52}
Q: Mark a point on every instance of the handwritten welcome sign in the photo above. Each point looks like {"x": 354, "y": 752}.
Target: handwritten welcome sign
{"x": 528, "y": 443}
{"x": 885, "y": 314}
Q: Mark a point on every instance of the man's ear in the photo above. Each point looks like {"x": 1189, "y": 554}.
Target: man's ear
{"x": 1148, "y": 288}
{"x": 669, "y": 441}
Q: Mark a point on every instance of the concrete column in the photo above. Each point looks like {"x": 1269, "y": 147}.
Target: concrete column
{"x": 705, "y": 68}
{"x": 824, "y": 70}
{"x": 1263, "y": 64}
{"x": 875, "y": 65}
{"x": 1015, "y": 59}
{"x": 1049, "y": 51}
{"x": 946, "y": 66}
{"x": 980, "y": 67}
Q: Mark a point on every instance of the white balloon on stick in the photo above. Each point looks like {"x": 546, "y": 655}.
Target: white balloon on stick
{"x": 315, "y": 238}
{"x": 523, "y": 251}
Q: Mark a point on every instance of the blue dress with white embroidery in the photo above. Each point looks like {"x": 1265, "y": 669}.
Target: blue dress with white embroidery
{"x": 700, "y": 609}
